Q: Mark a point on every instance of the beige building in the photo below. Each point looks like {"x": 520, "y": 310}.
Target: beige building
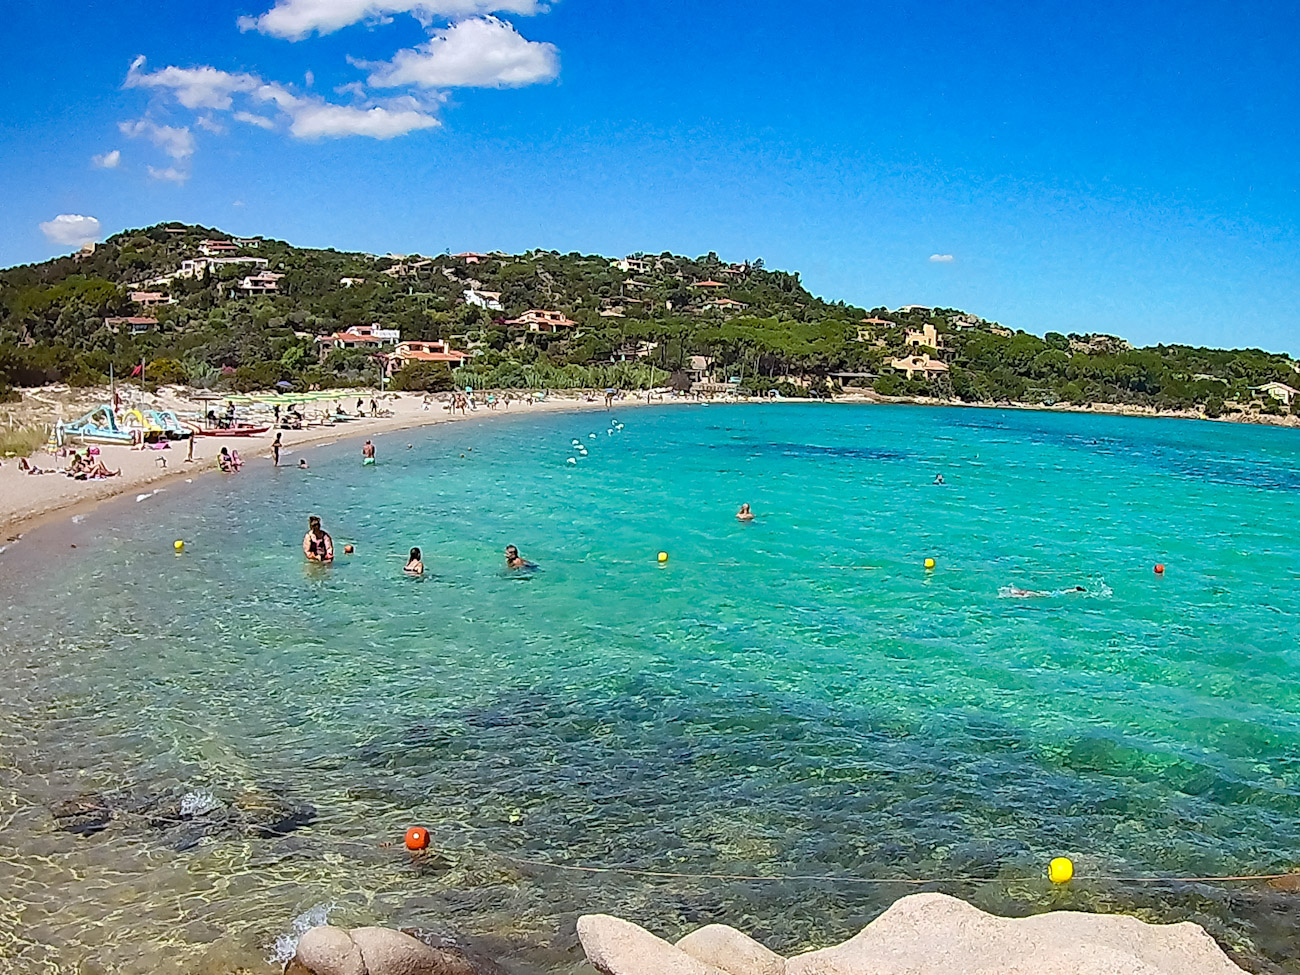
{"x": 539, "y": 320}
{"x": 928, "y": 337}
{"x": 1280, "y": 392}
{"x": 921, "y": 365}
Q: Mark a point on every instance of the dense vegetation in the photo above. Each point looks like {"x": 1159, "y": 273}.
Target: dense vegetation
{"x": 773, "y": 334}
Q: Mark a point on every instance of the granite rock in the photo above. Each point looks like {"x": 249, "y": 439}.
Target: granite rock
{"x": 934, "y": 934}
{"x": 731, "y": 951}
{"x": 618, "y": 947}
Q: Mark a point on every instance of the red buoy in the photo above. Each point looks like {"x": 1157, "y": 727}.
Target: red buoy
{"x": 417, "y": 838}
{"x": 1160, "y": 568}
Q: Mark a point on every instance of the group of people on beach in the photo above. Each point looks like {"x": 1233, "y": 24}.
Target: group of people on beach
{"x": 83, "y": 467}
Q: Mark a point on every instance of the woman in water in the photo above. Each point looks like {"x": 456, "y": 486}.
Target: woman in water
{"x": 516, "y": 561}
{"x": 744, "y": 514}
{"x": 316, "y": 544}
{"x": 414, "y": 567}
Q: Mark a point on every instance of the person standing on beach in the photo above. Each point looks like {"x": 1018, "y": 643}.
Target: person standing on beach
{"x": 316, "y": 544}
{"x": 275, "y": 450}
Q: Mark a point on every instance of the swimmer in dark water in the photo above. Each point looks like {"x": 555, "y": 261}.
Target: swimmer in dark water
{"x": 414, "y": 566}
{"x": 516, "y": 561}
{"x": 938, "y": 479}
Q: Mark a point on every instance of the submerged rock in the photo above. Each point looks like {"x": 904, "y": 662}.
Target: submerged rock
{"x": 83, "y": 815}
{"x": 328, "y": 950}
{"x": 925, "y": 934}
{"x": 185, "y": 820}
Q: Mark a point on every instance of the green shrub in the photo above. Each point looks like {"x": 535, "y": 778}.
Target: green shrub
{"x": 423, "y": 377}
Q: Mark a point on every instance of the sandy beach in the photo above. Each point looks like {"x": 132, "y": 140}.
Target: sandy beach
{"x": 27, "y": 500}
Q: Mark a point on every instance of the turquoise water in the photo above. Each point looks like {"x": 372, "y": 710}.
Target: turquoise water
{"x": 792, "y": 696}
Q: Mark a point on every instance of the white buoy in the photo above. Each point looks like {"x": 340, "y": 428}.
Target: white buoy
{"x": 573, "y": 460}
{"x": 591, "y": 436}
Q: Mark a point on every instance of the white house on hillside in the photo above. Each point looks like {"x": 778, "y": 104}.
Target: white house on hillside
{"x": 491, "y": 300}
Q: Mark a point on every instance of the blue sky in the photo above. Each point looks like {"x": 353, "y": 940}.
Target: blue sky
{"x": 1123, "y": 167}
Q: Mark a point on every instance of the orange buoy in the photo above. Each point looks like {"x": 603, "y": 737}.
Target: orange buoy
{"x": 1160, "y": 568}
{"x": 417, "y": 838}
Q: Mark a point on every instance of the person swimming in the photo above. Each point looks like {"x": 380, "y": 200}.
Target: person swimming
{"x": 368, "y": 453}
{"x": 302, "y": 463}
{"x": 1015, "y": 592}
{"x": 516, "y": 561}
{"x": 414, "y": 566}
{"x": 744, "y": 514}
{"x": 317, "y": 544}
{"x": 938, "y": 479}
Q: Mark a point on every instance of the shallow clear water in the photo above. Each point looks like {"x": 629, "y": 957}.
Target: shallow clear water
{"x": 793, "y": 696}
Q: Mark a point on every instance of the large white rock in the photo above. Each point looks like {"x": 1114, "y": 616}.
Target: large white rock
{"x": 732, "y": 951}
{"x": 328, "y": 950}
{"x": 618, "y": 947}
{"x": 934, "y": 934}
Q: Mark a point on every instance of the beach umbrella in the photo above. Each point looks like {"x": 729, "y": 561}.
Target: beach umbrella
{"x": 284, "y": 384}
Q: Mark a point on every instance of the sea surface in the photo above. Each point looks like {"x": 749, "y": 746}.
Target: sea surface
{"x": 796, "y": 699}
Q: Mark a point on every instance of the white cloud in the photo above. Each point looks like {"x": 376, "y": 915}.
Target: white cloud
{"x": 484, "y": 52}
{"x": 941, "y": 258}
{"x": 315, "y": 118}
{"x": 296, "y": 19}
{"x": 169, "y": 175}
{"x": 251, "y": 118}
{"x": 201, "y": 87}
{"x": 71, "y": 229}
{"x": 210, "y": 124}
{"x": 176, "y": 142}
{"x": 107, "y": 160}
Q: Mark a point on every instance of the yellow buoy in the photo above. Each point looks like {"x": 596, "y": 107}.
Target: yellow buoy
{"x": 1060, "y": 870}
{"x": 929, "y": 563}
{"x": 663, "y": 557}
{"x": 178, "y": 545}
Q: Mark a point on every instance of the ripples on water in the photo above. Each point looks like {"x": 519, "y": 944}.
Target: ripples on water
{"x": 794, "y": 696}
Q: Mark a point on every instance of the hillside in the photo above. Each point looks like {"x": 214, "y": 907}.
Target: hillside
{"x": 198, "y": 306}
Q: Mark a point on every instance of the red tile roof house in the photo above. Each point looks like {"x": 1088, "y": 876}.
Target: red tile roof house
{"x": 216, "y": 248}
{"x": 359, "y": 337}
{"x": 725, "y": 304}
{"x": 422, "y": 352}
{"x": 539, "y": 320}
{"x": 708, "y": 284}
{"x": 470, "y": 258}
{"x": 266, "y": 282}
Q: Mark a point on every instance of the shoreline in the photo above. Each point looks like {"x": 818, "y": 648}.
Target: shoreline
{"x": 28, "y": 502}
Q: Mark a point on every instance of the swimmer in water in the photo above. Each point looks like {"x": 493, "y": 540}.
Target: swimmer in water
{"x": 516, "y": 561}
{"x": 316, "y": 544}
{"x": 938, "y": 479}
{"x": 1017, "y": 593}
{"x": 414, "y": 567}
{"x": 302, "y": 463}
{"x": 368, "y": 452}
{"x": 744, "y": 514}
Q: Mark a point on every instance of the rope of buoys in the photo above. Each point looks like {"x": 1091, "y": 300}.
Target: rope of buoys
{"x": 1060, "y": 871}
